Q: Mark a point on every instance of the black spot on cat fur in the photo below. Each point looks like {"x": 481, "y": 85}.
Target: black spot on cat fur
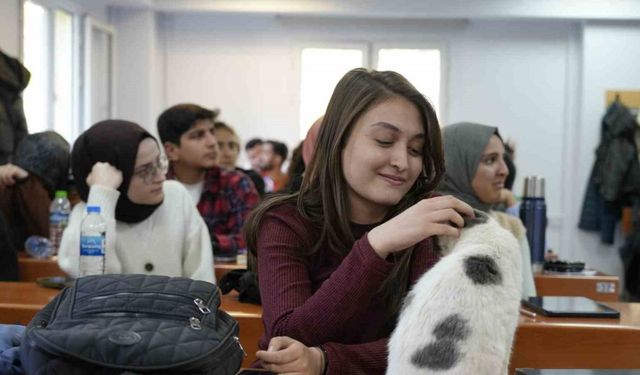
{"x": 444, "y": 353}
{"x": 482, "y": 269}
{"x": 453, "y": 327}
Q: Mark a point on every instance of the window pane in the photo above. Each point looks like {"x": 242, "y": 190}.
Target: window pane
{"x": 63, "y": 76}
{"x": 36, "y": 59}
{"x": 321, "y": 70}
{"x": 101, "y": 50}
{"x": 420, "y": 66}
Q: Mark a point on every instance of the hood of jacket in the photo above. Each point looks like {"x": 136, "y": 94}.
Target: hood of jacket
{"x": 619, "y": 122}
{"x": 14, "y": 77}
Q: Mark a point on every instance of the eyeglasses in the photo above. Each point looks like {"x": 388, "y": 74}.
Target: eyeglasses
{"x": 148, "y": 173}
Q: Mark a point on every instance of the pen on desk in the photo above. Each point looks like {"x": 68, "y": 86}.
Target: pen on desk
{"x": 527, "y": 313}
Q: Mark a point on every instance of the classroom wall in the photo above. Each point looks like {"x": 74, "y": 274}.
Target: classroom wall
{"x": 136, "y": 65}
{"x": 9, "y": 27}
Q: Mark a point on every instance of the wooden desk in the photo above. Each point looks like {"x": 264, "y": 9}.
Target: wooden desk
{"x": 568, "y": 343}
{"x": 223, "y": 268}
{"x": 19, "y": 302}
{"x": 540, "y": 342}
{"x": 32, "y": 268}
{"x": 600, "y": 287}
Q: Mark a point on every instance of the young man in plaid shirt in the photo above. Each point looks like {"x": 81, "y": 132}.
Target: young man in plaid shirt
{"x": 224, "y": 198}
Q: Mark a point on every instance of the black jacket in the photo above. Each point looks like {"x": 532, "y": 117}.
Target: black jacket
{"x": 14, "y": 78}
{"x": 615, "y": 177}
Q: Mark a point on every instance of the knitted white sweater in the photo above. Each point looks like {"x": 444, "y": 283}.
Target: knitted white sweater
{"x": 173, "y": 241}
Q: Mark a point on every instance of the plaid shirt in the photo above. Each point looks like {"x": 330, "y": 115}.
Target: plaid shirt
{"x": 226, "y": 200}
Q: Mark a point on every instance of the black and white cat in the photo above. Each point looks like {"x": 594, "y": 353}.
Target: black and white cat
{"x": 461, "y": 316}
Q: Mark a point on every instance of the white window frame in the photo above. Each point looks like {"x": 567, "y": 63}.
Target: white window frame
{"x": 89, "y": 24}
{"x": 444, "y": 68}
{"x": 363, "y": 46}
{"x": 370, "y": 61}
{"x": 81, "y": 56}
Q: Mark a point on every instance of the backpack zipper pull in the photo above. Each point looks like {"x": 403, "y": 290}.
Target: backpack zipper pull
{"x": 201, "y": 306}
{"x": 240, "y": 345}
{"x": 195, "y": 323}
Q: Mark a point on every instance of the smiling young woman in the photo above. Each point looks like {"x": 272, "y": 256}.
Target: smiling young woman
{"x": 336, "y": 258}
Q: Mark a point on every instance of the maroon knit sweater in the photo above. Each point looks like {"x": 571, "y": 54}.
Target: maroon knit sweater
{"x": 328, "y": 300}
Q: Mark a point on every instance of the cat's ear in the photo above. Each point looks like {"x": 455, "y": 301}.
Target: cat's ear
{"x": 480, "y": 218}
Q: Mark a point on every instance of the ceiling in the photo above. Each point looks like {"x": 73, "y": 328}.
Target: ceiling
{"x": 405, "y": 9}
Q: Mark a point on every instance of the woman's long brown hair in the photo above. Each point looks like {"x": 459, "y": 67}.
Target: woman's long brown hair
{"x": 322, "y": 199}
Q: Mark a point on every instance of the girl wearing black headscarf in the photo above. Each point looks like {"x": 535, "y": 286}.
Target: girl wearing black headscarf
{"x": 152, "y": 225}
{"x": 476, "y": 174}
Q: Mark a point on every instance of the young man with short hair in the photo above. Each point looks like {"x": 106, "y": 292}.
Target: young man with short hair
{"x": 273, "y": 155}
{"x": 224, "y": 198}
{"x": 253, "y": 148}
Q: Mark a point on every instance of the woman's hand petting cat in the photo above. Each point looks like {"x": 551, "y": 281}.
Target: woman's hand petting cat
{"x": 291, "y": 357}
{"x": 438, "y": 216}
{"x": 104, "y": 174}
{"x": 10, "y": 173}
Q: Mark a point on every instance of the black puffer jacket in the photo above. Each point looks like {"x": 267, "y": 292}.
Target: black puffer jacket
{"x": 615, "y": 177}
{"x": 14, "y": 78}
{"x": 617, "y": 171}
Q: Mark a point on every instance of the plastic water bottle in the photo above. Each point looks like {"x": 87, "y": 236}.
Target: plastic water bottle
{"x": 242, "y": 257}
{"x": 58, "y": 219}
{"x": 533, "y": 213}
{"x": 92, "y": 243}
{"x": 38, "y": 247}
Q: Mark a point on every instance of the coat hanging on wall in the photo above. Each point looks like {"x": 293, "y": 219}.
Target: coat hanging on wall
{"x": 14, "y": 78}
{"x": 630, "y": 251}
{"x": 615, "y": 177}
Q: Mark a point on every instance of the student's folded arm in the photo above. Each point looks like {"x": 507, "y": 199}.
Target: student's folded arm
{"x": 356, "y": 359}
{"x": 68, "y": 258}
{"x": 197, "y": 260}
{"x": 290, "y": 308}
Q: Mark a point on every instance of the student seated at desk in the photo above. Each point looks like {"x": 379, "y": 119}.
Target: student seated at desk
{"x": 229, "y": 148}
{"x": 27, "y": 186}
{"x": 152, "y": 226}
{"x": 476, "y": 173}
{"x": 223, "y": 197}
{"x": 336, "y": 258}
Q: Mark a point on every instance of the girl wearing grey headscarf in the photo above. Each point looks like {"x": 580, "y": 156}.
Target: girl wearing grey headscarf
{"x": 470, "y": 151}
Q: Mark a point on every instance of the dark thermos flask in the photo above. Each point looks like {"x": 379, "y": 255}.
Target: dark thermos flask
{"x": 533, "y": 213}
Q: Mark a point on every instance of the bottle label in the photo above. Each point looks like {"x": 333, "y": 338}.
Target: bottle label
{"x": 57, "y": 217}
{"x": 92, "y": 245}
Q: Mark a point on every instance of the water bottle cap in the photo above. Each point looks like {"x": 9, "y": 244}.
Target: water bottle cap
{"x": 534, "y": 187}
{"x": 61, "y": 193}
{"x": 95, "y": 209}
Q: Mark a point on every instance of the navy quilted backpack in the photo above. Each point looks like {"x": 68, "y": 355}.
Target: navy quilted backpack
{"x": 130, "y": 324}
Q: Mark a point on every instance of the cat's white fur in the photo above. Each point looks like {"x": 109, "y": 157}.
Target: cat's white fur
{"x": 447, "y": 312}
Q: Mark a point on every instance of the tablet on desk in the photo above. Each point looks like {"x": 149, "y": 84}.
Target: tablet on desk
{"x": 575, "y": 307}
